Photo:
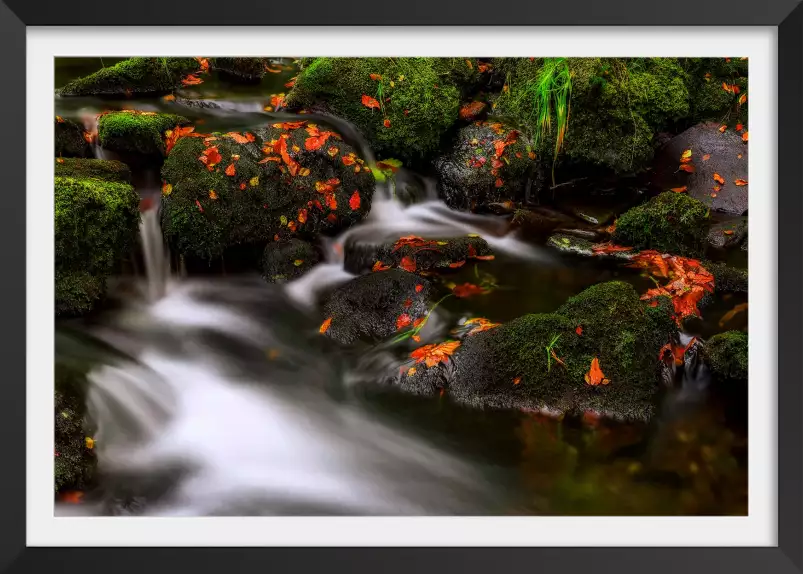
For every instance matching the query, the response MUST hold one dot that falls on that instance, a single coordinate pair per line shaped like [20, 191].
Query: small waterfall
[155, 253]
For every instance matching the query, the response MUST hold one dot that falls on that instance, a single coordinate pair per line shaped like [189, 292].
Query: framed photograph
[397, 290]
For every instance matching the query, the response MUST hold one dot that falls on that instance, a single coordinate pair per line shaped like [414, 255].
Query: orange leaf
[169, 98]
[332, 151]
[579, 330]
[719, 179]
[471, 110]
[192, 80]
[369, 102]
[457, 264]
[745, 137]
[742, 99]
[277, 101]
[289, 125]
[685, 155]
[739, 127]
[379, 266]
[609, 248]
[325, 325]
[470, 66]
[402, 321]
[212, 194]
[210, 157]
[740, 182]
[347, 160]
[468, 290]
[204, 64]
[728, 232]
[408, 303]
[687, 167]
[354, 201]
[679, 189]
[292, 165]
[419, 288]
[315, 142]
[291, 83]
[71, 497]
[272, 70]
[517, 380]
[499, 182]
[722, 128]
[716, 188]
[230, 170]
[277, 159]
[386, 123]
[376, 78]
[302, 215]
[433, 354]
[706, 157]
[408, 264]
[594, 376]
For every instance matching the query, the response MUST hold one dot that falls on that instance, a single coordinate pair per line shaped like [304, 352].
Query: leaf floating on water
[468, 290]
[594, 376]
[369, 102]
[433, 354]
[325, 326]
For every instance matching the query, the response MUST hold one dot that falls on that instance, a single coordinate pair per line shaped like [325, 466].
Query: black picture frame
[787, 15]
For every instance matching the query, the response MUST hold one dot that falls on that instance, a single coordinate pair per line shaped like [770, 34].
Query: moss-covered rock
[708, 100]
[73, 463]
[511, 366]
[617, 105]
[95, 224]
[288, 259]
[670, 222]
[727, 278]
[134, 76]
[571, 244]
[370, 306]
[71, 139]
[487, 163]
[241, 69]
[726, 355]
[426, 253]
[727, 234]
[107, 170]
[419, 98]
[205, 210]
[137, 132]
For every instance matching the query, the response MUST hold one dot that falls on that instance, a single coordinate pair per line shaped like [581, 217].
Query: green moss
[69, 139]
[617, 104]
[726, 355]
[133, 76]
[95, 225]
[107, 170]
[137, 132]
[440, 255]
[249, 69]
[262, 200]
[670, 222]
[727, 278]
[708, 100]
[423, 104]
[73, 463]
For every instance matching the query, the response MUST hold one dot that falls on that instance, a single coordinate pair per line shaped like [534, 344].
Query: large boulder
[107, 170]
[131, 131]
[72, 140]
[376, 305]
[415, 254]
[223, 190]
[726, 355]
[511, 366]
[288, 259]
[134, 76]
[713, 152]
[487, 163]
[96, 223]
[402, 105]
[669, 222]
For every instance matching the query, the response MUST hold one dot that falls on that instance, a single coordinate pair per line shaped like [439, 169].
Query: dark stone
[287, 260]
[240, 69]
[138, 76]
[727, 233]
[107, 170]
[724, 149]
[70, 141]
[370, 305]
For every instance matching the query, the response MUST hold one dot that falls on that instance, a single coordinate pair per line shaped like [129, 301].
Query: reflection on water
[230, 402]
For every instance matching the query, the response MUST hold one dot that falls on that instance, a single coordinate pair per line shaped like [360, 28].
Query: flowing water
[221, 398]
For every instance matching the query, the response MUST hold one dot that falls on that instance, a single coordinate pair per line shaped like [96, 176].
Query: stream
[213, 392]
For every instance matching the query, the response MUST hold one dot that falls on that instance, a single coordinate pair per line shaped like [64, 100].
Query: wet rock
[726, 356]
[271, 194]
[287, 260]
[727, 278]
[510, 367]
[198, 104]
[73, 463]
[570, 243]
[488, 163]
[670, 222]
[416, 254]
[728, 158]
[134, 76]
[107, 170]
[420, 98]
[375, 305]
[539, 222]
[727, 233]
[590, 213]
[96, 223]
[240, 69]
[137, 132]
[71, 139]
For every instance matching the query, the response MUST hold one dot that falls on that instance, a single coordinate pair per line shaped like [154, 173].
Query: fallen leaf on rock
[609, 248]
[408, 264]
[457, 264]
[579, 330]
[332, 151]
[375, 77]
[517, 381]
[379, 266]
[289, 126]
[728, 232]
[687, 167]
[419, 288]
[402, 321]
[719, 179]
[706, 157]
[679, 189]
[212, 194]
[411, 371]
[325, 325]
[386, 123]
[354, 201]
[471, 110]
[594, 376]
[685, 155]
[745, 137]
[739, 127]
[298, 262]
[482, 324]
[740, 182]
[347, 160]
[230, 170]
[198, 205]
[742, 99]
[89, 442]
[433, 354]
[716, 188]
[722, 128]
[210, 157]
[59, 160]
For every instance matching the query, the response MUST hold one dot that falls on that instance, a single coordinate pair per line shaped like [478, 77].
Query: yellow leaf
[212, 194]
[90, 442]
[283, 220]
[298, 262]
[686, 153]
[254, 181]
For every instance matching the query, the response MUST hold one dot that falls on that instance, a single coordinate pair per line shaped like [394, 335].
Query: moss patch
[420, 97]
[95, 225]
[726, 355]
[207, 210]
[73, 464]
[287, 260]
[138, 132]
[708, 100]
[246, 69]
[70, 139]
[670, 222]
[133, 76]
[107, 170]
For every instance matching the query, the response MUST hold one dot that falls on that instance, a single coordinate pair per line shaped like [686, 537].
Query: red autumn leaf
[408, 264]
[242, 186]
[408, 303]
[481, 323]
[472, 252]
[468, 290]
[739, 127]
[347, 160]
[471, 110]
[740, 182]
[386, 123]
[517, 381]
[433, 354]
[354, 201]
[275, 158]
[403, 321]
[412, 241]
[499, 182]
[594, 376]
[728, 232]
[374, 77]
[369, 102]
[679, 189]
[609, 248]
[499, 147]
[419, 288]
[230, 170]
[291, 83]
[719, 179]
[476, 161]
[302, 215]
[379, 266]
[687, 167]
[210, 157]
[745, 137]
[457, 264]
[277, 101]
[325, 325]
[192, 80]
[385, 166]
[316, 139]
[289, 125]
[272, 70]
[239, 138]
[198, 204]
[292, 165]
[579, 330]
[722, 128]
[172, 136]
